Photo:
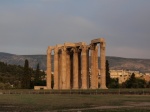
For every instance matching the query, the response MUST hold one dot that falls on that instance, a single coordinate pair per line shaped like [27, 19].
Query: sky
[30, 26]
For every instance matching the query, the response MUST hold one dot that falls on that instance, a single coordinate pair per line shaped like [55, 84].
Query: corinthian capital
[56, 50]
[49, 49]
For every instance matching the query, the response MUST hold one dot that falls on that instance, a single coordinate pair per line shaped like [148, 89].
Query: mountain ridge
[135, 64]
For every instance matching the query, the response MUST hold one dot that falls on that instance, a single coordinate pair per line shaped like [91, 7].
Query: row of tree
[18, 77]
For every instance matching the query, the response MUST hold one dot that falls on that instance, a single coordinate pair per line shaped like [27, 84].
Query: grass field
[74, 103]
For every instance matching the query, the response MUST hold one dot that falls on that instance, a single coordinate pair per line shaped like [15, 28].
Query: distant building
[123, 75]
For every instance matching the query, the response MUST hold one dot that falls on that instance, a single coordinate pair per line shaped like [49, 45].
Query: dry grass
[59, 102]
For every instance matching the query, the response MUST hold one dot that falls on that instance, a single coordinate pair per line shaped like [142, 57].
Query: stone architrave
[64, 67]
[75, 69]
[103, 65]
[84, 67]
[56, 68]
[48, 80]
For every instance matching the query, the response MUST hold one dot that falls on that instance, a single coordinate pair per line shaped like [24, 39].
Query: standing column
[93, 77]
[59, 70]
[88, 74]
[75, 69]
[84, 67]
[64, 67]
[56, 68]
[48, 80]
[68, 71]
[103, 65]
[79, 70]
[96, 67]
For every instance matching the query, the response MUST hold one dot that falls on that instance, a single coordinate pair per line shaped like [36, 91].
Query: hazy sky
[29, 26]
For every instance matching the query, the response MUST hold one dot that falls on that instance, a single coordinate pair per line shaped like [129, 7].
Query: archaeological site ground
[74, 103]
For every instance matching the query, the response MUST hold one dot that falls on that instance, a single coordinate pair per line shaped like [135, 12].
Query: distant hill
[142, 65]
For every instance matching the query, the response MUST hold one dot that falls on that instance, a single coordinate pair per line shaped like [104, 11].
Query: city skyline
[30, 26]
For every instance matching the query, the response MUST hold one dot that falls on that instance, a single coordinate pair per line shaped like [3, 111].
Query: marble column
[64, 67]
[103, 65]
[96, 67]
[59, 70]
[48, 80]
[92, 68]
[68, 70]
[84, 67]
[93, 77]
[56, 68]
[79, 70]
[75, 69]
[88, 74]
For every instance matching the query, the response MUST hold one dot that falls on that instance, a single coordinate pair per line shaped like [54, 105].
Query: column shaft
[88, 74]
[48, 80]
[68, 71]
[75, 69]
[56, 68]
[96, 67]
[84, 67]
[92, 70]
[79, 70]
[93, 67]
[103, 66]
[64, 68]
[60, 71]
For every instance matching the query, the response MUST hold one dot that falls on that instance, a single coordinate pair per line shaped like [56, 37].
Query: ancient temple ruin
[76, 65]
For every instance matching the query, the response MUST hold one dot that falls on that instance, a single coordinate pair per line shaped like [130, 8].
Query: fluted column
[56, 68]
[64, 68]
[79, 69]
[103, 65]
[93, 77]
[75, 69]
[48, 80]
[59, 70]
[84, 67]
[96, 67]
[88, 74]
[68, 71]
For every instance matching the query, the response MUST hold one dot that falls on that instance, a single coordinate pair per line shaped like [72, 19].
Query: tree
[37, 75]
[26, 79]
[134, 82]
[108, 79]
[38, 78]
[110, 82]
